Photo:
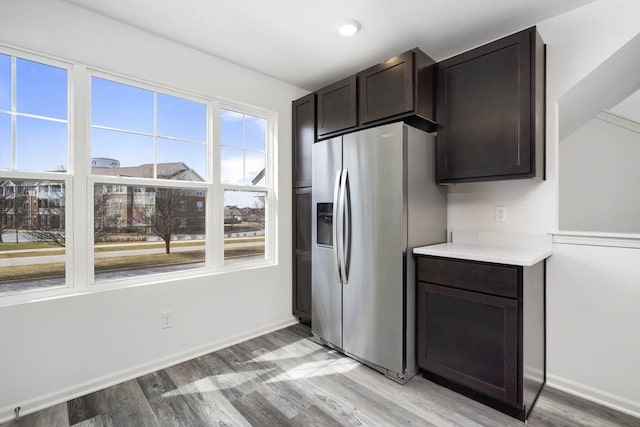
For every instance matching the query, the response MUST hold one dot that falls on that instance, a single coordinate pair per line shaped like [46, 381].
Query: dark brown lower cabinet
[481, 330]
[302, 254]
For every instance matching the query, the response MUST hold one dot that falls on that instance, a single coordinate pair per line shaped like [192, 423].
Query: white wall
[600, 178]
[56, 348]
[577, 42]
[593, 313]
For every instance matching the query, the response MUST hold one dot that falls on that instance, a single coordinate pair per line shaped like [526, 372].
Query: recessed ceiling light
[348, 27]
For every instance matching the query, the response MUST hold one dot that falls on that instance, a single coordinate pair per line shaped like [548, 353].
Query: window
[149, 235]
[33, 107]
[163, 139]
[243, 152]
[148, 134]
[34, 129]
[177, 183]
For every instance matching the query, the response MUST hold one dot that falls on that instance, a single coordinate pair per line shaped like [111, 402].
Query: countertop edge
[528, 262]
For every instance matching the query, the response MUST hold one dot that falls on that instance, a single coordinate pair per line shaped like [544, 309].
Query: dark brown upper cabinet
[337, 109]
[304, 134]
[490, 111]
[402, 86]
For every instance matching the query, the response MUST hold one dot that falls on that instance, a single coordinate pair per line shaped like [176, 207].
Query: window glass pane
[41, 145]
[140, 231]
[121, 106]
[120, 153]
[231, 128]
[191, 154]
[32, 222]
[5, 141]
[244, 226]
[232, 166]
[255, 164]
[255, 130]
[41, 89]
[5, 82]
[181, 118]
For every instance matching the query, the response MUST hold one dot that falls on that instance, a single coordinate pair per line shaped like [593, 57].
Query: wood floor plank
[196, 383]
[247, 375]
[55, 416]
[98, 421]
[126, 405]
[225, 378]
[314, 417]
[169, 405]
[82, 408]
[258, 411]
[599, 414]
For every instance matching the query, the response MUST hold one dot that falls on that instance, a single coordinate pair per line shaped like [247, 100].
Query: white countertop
[501, 248]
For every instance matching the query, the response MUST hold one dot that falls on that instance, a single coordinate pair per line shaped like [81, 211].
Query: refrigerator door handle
[344, 226]
[337, 255]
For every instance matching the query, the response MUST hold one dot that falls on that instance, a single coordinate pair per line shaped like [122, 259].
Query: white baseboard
[47, 400]
[595, 395]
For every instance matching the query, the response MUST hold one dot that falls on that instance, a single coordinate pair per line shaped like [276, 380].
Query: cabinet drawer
[481, 277]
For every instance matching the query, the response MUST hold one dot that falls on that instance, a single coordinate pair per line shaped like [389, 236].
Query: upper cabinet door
[337, 106]
[304, 135]
[387, 89]
[490, 111]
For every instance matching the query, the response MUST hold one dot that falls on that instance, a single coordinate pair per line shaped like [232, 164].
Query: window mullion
[155, 134]
[81, 222]
[14, 103]
[215, 205]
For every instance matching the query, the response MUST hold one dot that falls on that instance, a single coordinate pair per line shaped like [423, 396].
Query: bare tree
[100, 203]
[258, 207]
[166, 217]
[47, 234]
[7, 194]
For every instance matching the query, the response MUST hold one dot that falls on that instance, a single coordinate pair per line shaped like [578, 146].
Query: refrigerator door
[326, 285]
[374, 294]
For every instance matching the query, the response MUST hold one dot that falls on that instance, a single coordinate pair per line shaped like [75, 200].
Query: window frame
[268, 188]
[67, 177]
[79, 183]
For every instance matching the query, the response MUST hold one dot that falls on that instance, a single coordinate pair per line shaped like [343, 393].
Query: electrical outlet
[501, 213]
[166, 320]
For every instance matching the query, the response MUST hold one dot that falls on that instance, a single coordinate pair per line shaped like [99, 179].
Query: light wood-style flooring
[286, 379]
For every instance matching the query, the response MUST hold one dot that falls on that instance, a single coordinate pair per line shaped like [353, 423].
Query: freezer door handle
[337, 255]
[344, 225]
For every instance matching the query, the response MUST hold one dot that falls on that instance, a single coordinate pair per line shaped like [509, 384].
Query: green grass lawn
[35, 271]
[106, 247]
[12, 246]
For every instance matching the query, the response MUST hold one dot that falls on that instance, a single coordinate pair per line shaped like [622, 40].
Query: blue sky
[181, 126]
[40, 90]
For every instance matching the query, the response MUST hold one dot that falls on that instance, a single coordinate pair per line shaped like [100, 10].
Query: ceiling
[295, 40]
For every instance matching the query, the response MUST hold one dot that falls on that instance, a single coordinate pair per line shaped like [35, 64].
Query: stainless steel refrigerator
[374, 200]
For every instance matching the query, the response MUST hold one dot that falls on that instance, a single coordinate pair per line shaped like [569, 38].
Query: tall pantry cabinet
[304, 131]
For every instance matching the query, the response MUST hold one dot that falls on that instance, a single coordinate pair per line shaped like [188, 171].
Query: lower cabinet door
[469, 338]
[303, 285]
